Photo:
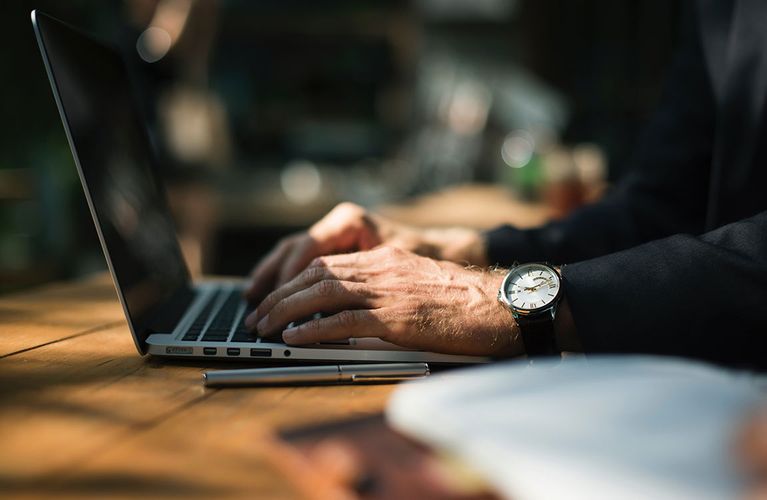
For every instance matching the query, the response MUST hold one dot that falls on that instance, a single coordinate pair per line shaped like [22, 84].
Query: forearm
[684, 295]
[628, 217]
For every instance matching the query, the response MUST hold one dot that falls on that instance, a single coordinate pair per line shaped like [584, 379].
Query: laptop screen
[126, 198]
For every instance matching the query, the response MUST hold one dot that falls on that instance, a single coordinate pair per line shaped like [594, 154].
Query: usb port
[261, 353]
[209, 351]
[232, 351]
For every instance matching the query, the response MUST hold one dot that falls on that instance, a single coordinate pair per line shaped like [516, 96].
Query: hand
[395, 295]
[351, 228]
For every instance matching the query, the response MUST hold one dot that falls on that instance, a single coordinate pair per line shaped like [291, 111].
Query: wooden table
[82, 415]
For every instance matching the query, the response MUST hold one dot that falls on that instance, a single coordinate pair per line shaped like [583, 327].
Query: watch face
[531, 287]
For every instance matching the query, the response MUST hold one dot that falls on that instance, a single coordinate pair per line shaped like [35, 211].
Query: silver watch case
[518, 312]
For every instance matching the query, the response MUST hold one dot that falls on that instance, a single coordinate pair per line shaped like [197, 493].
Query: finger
[346, 228]
[341, 229]
[311, 275]
[309, 248]
[358, 259]
[296, 261]
[325, 296]
[343, 325]
[264, 275]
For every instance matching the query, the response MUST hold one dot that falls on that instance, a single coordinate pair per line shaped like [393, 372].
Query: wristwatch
[532, 292]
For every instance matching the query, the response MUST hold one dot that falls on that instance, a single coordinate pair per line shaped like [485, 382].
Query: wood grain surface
[82, 415]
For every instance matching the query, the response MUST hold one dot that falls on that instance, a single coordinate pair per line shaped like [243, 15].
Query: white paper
[610, 427]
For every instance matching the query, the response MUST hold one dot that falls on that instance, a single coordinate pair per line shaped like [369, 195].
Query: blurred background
[264, 114]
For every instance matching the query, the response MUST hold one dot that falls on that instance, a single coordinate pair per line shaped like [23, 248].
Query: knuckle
[311, 330]
[346, 319]
[325, 288]
[268, 302]
[314, 274]
[317, 262]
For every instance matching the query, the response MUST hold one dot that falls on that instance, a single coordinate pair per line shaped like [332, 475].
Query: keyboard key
[219, 328]
[199, 322]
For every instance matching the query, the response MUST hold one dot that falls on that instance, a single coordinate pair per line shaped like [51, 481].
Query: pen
[389, 372]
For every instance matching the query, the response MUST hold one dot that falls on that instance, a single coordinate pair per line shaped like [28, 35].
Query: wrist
[506, 327]
[534, 295]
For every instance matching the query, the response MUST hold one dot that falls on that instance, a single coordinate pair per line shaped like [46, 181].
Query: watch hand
[536, 287]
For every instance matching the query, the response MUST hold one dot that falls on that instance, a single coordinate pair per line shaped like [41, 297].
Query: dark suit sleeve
[636, 288]
[703, 297]
[664, 194]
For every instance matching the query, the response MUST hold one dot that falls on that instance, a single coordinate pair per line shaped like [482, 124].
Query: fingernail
[261, 327]
[289, 334]
[250, 320]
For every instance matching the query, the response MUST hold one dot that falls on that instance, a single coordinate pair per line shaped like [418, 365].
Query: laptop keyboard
[218, 328]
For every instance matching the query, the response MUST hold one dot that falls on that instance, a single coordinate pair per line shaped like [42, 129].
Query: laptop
[168, 314]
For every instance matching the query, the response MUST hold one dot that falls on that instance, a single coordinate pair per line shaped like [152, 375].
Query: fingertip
[262, 324]
[250, 321]
[290, 336]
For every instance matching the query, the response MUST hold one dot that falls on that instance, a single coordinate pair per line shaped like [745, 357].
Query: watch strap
[538, 335]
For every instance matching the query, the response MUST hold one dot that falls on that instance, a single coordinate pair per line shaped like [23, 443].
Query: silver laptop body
[168, 314]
